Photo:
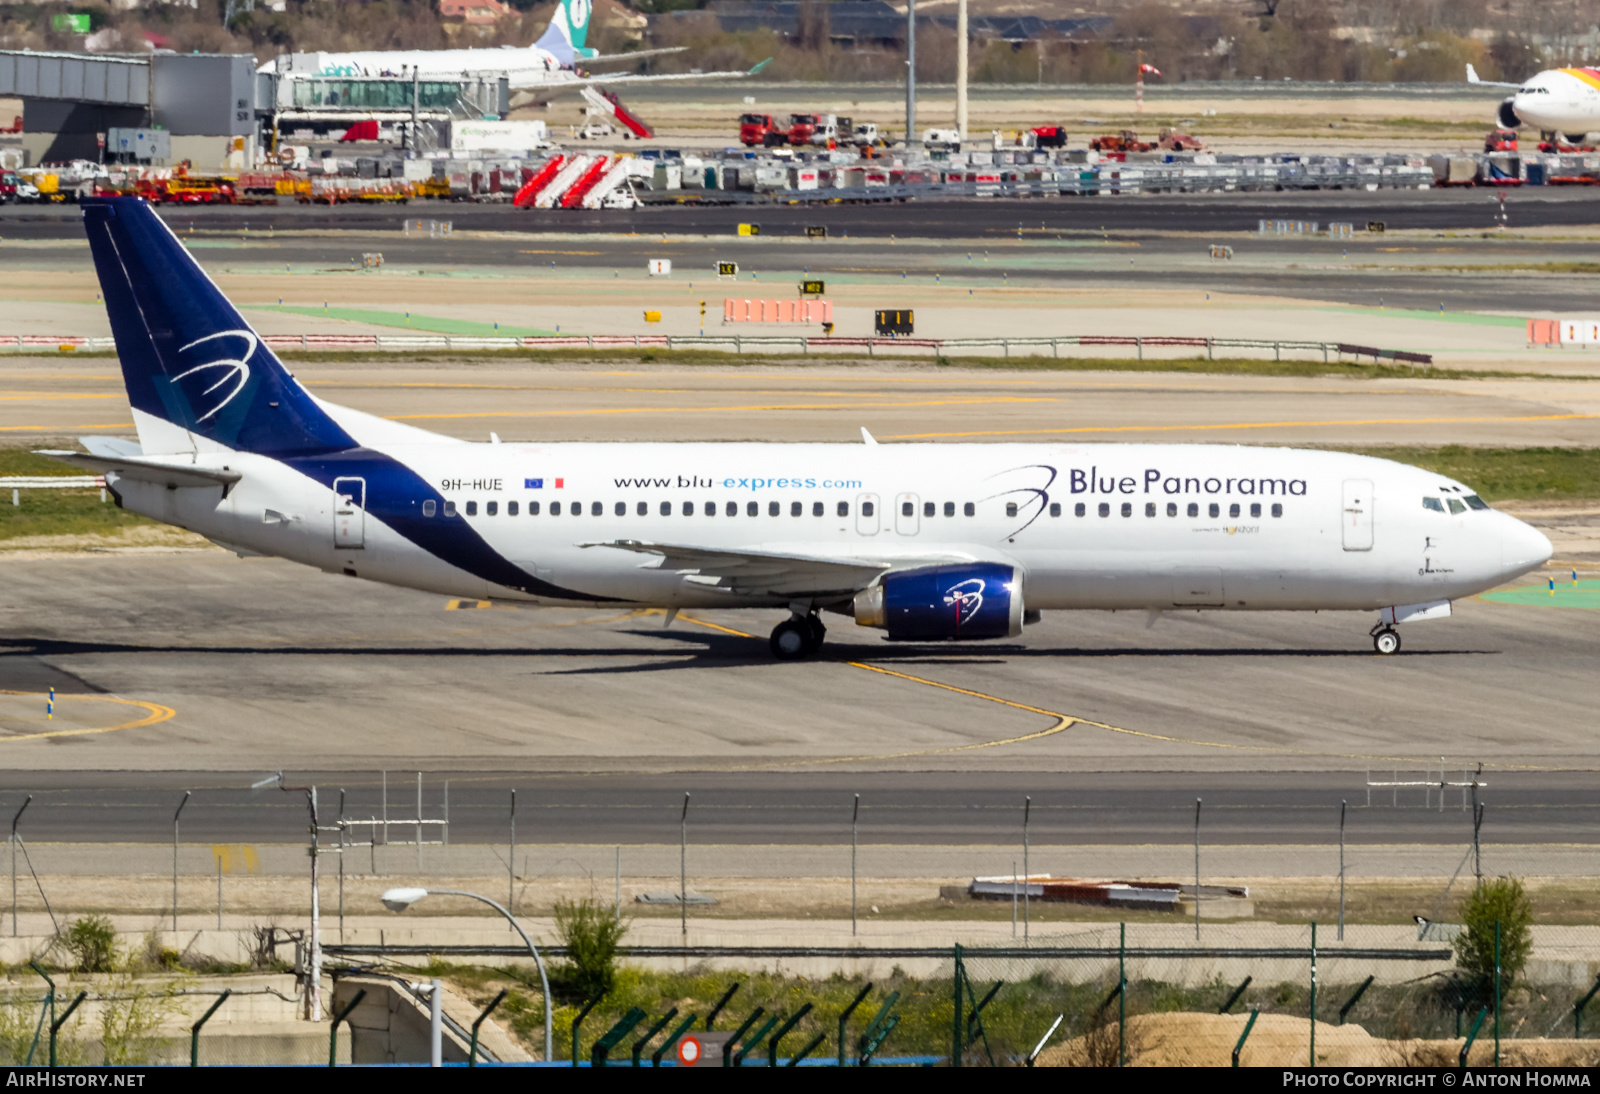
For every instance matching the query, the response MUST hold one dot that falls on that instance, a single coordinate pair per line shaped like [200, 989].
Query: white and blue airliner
[925, 542]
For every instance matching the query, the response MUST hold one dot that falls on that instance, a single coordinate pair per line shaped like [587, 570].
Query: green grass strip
[1499, 474]
[407, 321]
[1469, 318]
[1566, 594]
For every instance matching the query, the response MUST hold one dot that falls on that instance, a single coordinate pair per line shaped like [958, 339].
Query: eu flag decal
[533, 484]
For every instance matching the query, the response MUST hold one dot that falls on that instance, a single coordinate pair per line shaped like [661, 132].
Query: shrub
[591, 934]
[1502, 900]
[92, 942]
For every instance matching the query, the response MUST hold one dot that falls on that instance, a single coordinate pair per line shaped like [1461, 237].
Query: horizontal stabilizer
[145, 469]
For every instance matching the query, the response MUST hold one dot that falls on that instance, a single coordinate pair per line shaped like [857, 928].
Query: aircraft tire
[815, 633]
[791, 640]
[1386, 641]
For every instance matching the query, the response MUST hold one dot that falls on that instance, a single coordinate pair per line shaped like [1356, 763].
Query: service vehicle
[15, 188]
[759, 131]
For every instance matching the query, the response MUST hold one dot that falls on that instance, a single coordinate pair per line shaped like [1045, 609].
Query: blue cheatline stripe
[395, 494]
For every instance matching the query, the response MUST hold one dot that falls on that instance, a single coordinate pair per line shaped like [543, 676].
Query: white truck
[941, 140]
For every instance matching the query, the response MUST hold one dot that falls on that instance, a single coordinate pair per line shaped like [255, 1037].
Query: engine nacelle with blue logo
[963, 601]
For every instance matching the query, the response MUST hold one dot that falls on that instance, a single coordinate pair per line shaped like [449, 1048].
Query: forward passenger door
[1357, 516]
[867, 514]
[907, 520]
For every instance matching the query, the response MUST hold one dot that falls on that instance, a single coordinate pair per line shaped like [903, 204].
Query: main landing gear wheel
[791, 639]
[1386, 641]
[816, 632]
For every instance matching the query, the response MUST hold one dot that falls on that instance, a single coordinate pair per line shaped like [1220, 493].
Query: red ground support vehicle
[1126, 141]
[802, 127]
[1563, 146]
[1049, 136]
[1171, 140]
[187, 190]
[1501, 140]
[757, 130]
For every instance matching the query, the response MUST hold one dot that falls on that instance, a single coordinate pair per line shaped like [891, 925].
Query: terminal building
[84, 106]
[214, 110]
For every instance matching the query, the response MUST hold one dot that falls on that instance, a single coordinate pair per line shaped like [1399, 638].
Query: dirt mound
[1207, 1040]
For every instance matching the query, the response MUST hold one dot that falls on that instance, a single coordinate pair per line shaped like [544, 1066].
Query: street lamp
[398, 900]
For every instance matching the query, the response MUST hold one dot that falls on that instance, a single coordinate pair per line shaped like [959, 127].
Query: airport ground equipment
[893, 322]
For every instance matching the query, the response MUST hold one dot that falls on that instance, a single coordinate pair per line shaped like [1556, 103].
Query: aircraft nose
[1523, 547]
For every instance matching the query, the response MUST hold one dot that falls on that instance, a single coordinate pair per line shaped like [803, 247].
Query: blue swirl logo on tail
[234, 370]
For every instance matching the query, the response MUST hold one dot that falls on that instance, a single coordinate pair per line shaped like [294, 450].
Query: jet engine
[961, 601]
[1507, 115]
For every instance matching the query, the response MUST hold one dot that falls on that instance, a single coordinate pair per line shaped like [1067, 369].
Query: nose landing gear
[797, 637]
[1385, 639]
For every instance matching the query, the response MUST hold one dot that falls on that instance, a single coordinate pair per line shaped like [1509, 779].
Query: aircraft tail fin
[568, 31]
[198, 376]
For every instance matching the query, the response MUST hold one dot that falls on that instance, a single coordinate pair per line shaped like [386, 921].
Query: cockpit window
[1433, 503]
[1455, 505]
[1475, 502]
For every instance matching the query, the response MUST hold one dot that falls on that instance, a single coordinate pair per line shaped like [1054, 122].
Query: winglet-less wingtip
[866, 437]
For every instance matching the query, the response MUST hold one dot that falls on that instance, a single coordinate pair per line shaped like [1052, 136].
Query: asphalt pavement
[922, 808]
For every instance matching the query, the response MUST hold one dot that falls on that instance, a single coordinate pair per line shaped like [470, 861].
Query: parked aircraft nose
[1522, 548]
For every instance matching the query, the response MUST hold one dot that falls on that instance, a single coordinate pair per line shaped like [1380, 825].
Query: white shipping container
[803, 178]
[498, 136]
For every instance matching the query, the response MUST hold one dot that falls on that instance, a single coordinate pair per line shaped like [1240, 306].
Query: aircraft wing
[759, 572]
[1472, 78]
[146, 469]
[635, 54]
[538, 80]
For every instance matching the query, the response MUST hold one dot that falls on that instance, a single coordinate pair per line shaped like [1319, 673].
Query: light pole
[398, 900]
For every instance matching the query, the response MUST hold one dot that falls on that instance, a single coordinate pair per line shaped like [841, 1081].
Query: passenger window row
[688, 508]
[1213, 509]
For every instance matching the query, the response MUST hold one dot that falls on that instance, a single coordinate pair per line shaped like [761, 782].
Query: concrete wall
[192, 95]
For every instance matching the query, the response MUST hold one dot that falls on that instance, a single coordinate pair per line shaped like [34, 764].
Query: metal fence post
[55, 1026]
[1027, 886]
[955, 1021]
[1197, 869]
[1342, 805]
[855, 814]
[683, 871]
[851, 1009]
[472, 1054]
[1248, 1026]
[14, 821]
[175, 817]
[511, 860]
[1122, 995]
[194, 1030]
[333, 1031]
[1313, 1062]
